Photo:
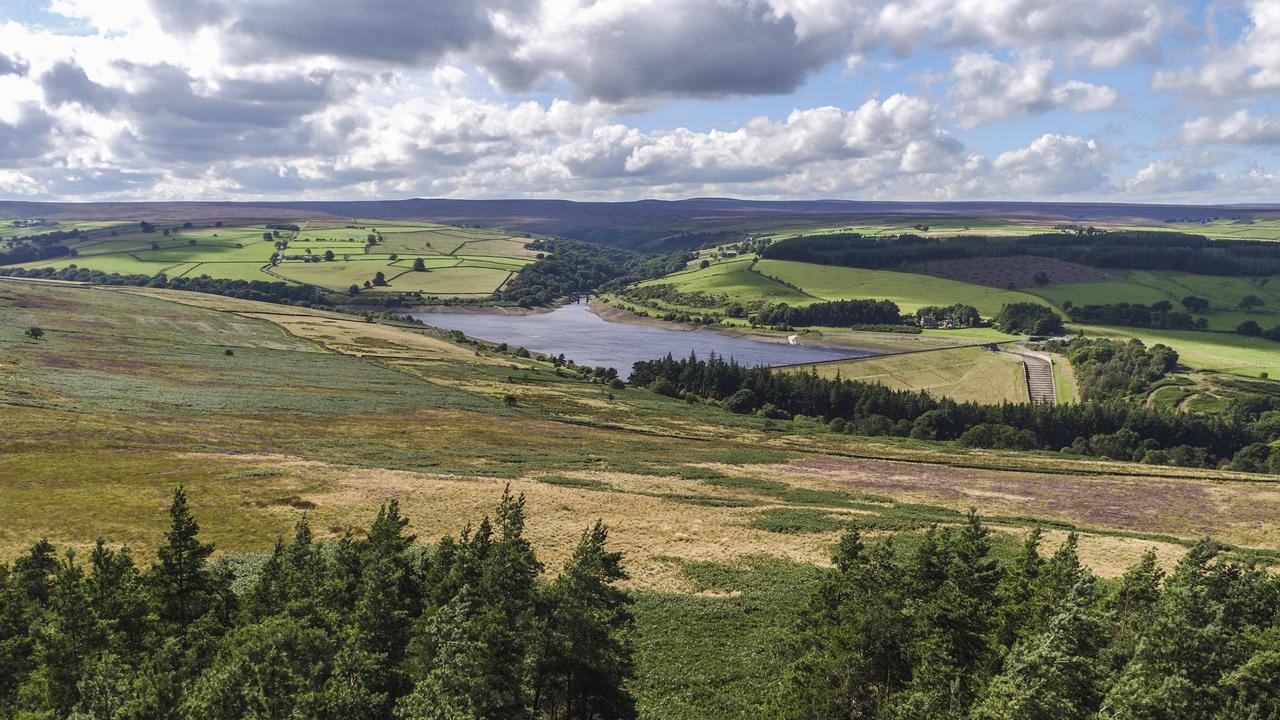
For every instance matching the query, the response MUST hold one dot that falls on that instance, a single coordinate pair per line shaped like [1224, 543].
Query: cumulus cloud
[1103, 33]
[617, 49]
[986, 89]
[1248, 67]
[1053, 165]
[1188, 177]
[393, 98]
[1238, 128]
[397, 31]
[28, 136]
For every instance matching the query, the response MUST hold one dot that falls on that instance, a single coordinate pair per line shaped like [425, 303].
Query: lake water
[588, 339]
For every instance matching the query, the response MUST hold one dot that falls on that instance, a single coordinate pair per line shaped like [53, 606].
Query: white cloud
[1189, 177]
[1053, 165]
[1248, 67]
[1238, 128]
[254, 98]
[986, 89]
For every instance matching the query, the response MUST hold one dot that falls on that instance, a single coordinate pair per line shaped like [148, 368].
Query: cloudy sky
[1134, 100]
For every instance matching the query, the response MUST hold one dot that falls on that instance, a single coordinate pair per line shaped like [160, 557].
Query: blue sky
[1144, 101]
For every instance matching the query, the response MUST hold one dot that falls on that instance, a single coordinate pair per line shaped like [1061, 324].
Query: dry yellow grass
[359, 338]
[964, 374]
[1107, 556]
[654, 533]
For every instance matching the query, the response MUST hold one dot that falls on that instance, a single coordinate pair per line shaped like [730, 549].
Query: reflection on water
[588, 339]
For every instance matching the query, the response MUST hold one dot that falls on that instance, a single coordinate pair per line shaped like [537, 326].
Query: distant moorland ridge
[629, 222]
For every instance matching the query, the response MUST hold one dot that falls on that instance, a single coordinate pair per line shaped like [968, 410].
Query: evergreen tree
[852, 645]
[182, 584]
[1054, 674]
[1017, 589]
[1193, 639]
[584, 659]
[1130, 608]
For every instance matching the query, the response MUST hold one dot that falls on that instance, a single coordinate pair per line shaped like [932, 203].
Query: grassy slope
[736, 280]
[132, 393]
[742, 281]
[909, 291]
[1208, 351]
[1224, 293]
[971, 373]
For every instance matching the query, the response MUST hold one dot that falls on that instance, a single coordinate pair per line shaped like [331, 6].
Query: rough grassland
[964, 374]
[132, 392]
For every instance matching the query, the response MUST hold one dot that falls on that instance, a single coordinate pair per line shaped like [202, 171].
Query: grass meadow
[964, 374]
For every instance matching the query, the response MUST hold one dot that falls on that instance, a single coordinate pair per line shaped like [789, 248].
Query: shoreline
[854, 340]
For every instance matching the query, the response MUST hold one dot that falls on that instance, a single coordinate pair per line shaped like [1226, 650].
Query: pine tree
[183, 587]
[67, 634]
[584, 660]
[1185, 650]
[1054, 674]
[953, 651]
[851, 648]
[1130, 608]
[1016, 590]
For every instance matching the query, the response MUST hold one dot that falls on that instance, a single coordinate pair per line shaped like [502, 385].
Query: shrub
[741, 402]
[663, 386]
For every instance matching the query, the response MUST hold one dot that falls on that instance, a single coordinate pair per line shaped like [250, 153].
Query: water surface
[588, 339]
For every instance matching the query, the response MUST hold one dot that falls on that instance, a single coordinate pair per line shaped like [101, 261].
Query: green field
[1226, 352]
[1148, 287]
[963, 374]
[1230, 229]
[734, 279]
[463, 262]
[909, 291]
[458, 281]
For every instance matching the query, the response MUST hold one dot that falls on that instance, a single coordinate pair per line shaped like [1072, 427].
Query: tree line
[835, 313]
[1128, 249]
[1105, 427]
[944, 631]
[38, 247]
[1157, 315]
[261, 290]
[569, 268]
[364, 628]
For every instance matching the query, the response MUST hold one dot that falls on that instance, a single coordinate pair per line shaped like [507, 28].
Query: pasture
[1147, 287]
[461, 262]
[964, 374]
[909, 291]
[1226, 352]
[736, 280]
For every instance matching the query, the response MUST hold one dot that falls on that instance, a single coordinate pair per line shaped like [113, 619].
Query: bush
[1004, 437]
[662, 386]
[742, 402]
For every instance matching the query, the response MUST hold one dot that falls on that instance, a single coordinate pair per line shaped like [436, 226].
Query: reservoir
[588, 339]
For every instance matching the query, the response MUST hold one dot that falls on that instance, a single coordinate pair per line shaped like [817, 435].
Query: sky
[1084, 100]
